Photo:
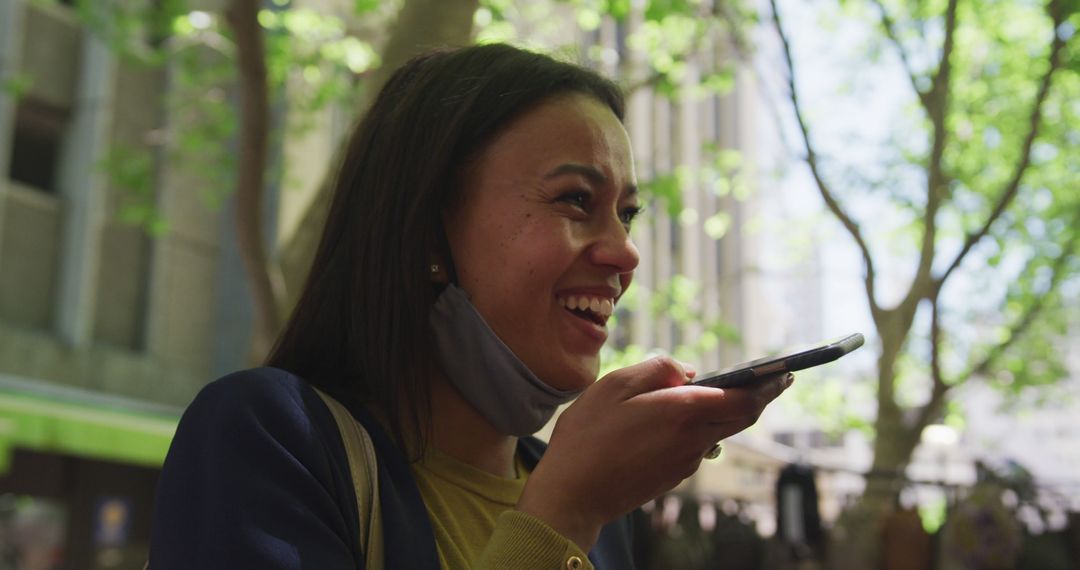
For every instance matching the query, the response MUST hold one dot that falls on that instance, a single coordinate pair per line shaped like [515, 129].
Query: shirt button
[574, 563]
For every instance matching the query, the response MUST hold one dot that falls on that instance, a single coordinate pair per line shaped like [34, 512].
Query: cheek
[514, 266]
[537, 251]
[480, 254]
[542, 266]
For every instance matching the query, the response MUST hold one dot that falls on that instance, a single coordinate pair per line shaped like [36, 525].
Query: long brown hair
[360, 329]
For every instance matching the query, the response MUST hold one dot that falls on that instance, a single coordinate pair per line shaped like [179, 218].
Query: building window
[784, 438]
[35, 151]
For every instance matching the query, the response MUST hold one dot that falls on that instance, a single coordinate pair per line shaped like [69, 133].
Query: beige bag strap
[365, 476]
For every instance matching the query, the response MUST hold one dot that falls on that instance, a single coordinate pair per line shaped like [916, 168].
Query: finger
[652, 374]
[739, 407]
[773, 386]
[718, 432]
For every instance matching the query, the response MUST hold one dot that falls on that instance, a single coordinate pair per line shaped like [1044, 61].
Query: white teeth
[603, 307]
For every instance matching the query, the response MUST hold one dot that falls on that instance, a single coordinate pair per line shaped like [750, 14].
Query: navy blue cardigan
[257, 477]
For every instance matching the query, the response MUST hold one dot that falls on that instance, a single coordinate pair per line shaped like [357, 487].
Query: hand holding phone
[755, 370]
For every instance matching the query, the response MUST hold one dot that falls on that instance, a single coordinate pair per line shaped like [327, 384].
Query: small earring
[434, 267]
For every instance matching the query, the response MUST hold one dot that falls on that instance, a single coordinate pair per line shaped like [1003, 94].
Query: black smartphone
[800, 359]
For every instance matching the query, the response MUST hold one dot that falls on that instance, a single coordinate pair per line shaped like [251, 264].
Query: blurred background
[907, 169]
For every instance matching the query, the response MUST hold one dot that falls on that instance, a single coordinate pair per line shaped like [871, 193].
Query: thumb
[652, 374]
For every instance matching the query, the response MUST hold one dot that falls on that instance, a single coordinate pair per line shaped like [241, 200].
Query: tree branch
[890, 31]
[253, 141]
[421, 24]
[811, 159]
[937, 108]
[1011, 188]
[736, 25]
[937, 393]
[1032, 311]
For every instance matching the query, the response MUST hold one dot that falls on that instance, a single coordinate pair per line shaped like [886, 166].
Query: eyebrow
[593, 174]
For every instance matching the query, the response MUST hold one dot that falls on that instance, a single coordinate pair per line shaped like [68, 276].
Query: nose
[615, 248]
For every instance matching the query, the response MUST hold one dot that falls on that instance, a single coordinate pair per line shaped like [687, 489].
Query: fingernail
[789, 380]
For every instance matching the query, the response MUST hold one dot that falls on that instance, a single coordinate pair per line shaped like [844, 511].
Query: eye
[629, 213]
[577, 198]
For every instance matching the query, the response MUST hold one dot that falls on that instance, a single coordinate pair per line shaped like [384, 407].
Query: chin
[574, 377]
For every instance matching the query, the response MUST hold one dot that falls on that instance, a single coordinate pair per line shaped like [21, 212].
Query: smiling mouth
[596, 310]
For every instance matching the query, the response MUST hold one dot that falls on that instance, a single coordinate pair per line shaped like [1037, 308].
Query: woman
[477, 244]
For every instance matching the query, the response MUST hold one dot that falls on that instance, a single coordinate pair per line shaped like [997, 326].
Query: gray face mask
[490, 376]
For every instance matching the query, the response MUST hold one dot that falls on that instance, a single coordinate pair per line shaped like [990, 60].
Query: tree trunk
[252, 144]
[421, 25]
[855, 541]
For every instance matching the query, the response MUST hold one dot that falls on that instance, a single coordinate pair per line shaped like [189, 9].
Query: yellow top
[475, 524]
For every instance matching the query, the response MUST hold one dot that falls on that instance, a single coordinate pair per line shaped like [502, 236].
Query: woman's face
[540, 237]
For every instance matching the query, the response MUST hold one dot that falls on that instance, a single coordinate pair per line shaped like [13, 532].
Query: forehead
[571, 128]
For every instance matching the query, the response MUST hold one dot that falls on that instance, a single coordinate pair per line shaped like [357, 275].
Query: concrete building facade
[106, 329]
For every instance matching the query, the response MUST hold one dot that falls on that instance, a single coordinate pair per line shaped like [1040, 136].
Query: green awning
[82, 429]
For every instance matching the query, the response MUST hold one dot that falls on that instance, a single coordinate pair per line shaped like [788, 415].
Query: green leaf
[660, 9]
[720, 82]
[588, 19]
[362, 7]
[717, 225]
[666, 188]
[18, 84]
[1068, 8]
[618, 9]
